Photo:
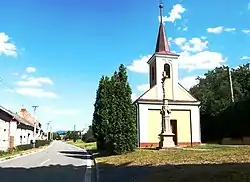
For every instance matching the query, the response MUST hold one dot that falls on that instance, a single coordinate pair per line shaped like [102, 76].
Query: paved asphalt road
[60, 162]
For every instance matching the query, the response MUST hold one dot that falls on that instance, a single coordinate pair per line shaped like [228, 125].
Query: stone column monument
[166, 133]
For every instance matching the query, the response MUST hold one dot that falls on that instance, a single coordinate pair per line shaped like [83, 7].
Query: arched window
[153, 73]
[167, 69]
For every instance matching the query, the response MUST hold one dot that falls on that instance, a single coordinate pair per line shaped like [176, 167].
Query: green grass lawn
[81, 144]
[206, 163]
[209, 164]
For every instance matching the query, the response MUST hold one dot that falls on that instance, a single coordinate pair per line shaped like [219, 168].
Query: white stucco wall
[4, 135]
[22, 136]
[143, 120]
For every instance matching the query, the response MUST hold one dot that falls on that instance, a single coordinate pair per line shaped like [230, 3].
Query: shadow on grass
[43, 174]
[175, 173]
[99, 153]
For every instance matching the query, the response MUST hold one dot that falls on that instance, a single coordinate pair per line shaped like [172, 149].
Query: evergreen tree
[101, 115]
[122, 123]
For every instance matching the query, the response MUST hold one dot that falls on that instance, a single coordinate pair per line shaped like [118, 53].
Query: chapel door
[174, 130]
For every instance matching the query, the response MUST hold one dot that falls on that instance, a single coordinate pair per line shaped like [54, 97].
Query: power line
[6, 84]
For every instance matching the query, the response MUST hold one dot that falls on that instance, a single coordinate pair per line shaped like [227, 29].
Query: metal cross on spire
[161, 9]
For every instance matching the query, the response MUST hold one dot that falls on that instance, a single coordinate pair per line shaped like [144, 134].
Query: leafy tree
[219, 116]
[56, 136]
[72, 135]
[88, 136]
[213, 90]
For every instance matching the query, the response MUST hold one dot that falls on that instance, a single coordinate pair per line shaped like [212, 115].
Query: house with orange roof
[17, 128]
[23, 113]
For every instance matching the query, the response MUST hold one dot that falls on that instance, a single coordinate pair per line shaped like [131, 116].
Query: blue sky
[52, 53]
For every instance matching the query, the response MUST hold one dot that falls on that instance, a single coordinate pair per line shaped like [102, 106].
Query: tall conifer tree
[101, 115]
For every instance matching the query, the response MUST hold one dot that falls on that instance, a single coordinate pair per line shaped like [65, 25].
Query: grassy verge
[218, 163]
[212, 163]
[88, 146]
[11, 153]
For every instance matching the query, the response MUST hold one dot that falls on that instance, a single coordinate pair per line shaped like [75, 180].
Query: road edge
[17, 156]
[88, 173]
[96, 169]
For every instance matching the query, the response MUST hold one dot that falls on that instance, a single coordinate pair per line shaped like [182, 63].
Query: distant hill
[61, 131]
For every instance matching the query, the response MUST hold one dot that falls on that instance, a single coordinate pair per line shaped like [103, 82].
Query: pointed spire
[162, 45]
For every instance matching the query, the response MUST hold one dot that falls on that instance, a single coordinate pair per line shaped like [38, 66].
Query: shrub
[24, 147]
[40, 143]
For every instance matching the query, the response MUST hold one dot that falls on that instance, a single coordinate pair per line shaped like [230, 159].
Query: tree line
[114, 118]
[220, 117]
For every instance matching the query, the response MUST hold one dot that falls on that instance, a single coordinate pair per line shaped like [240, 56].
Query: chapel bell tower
[163, 60]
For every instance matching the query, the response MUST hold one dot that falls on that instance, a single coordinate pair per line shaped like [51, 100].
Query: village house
[185, 111]
[17, 129]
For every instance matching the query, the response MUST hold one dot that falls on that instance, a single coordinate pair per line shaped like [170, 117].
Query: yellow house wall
[154, 126]
[183, 125]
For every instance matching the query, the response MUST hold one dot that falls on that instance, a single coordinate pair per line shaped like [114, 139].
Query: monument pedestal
[167, 140]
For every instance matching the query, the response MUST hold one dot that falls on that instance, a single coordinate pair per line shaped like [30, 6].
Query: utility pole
[74, 134]
[48, 129]
[231, 84]
[34, 133]
[51, 134]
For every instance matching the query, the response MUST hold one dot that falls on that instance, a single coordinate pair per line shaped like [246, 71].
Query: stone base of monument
[166, 140]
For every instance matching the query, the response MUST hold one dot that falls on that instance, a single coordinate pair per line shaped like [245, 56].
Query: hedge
[38, 144]
[24, 147]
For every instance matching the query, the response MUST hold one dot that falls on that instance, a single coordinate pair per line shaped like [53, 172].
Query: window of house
[167, 69]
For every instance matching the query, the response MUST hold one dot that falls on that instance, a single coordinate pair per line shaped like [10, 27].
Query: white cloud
[140, 65]
[143, 87]
[30, 69]
[35, 82]
[200, 60]
[185, 29]
[246, 31]
[175, 13]
[6, 47]
[24, 76]
[230, 29]
[193, 45]
[66, 111]
[220, 29]
[216, 30]
[195, 55]
[35, 92]
[180, 41]
[245, 58]
[188, 81]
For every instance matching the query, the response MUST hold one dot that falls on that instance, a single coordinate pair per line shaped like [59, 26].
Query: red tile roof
[162, 46]
[27, 116]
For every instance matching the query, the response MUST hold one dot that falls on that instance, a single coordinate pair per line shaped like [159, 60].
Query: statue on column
[166, 133]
